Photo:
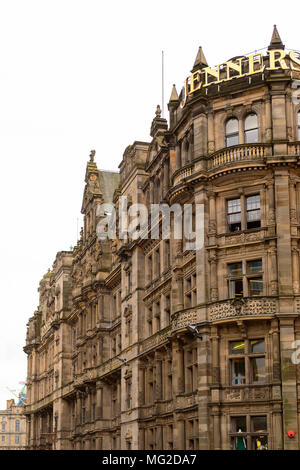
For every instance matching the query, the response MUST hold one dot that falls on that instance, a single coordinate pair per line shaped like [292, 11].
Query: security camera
[194, 330]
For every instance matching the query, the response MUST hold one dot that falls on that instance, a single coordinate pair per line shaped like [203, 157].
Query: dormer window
[251, 129]
[232, 132]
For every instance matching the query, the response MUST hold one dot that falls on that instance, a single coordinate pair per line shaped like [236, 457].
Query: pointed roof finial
[174, 94]
[200, 61]
[92, 155]
[276, 42]
[158, 111]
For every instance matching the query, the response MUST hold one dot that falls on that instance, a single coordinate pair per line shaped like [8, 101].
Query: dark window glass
[235, 269]
[259, 424]
[236, 288]
[258, 346]
[254, 266]
[258, 369]
[238, 423]
[237, 347]
[255, 287]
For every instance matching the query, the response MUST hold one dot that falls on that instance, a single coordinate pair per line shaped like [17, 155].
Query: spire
[200, 61]
[174, 95]
[276, 42]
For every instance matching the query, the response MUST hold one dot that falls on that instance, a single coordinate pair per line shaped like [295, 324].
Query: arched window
[232, 132]
[299, 125]
[251, 129]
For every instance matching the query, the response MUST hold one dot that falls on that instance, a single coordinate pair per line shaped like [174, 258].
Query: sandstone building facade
[13, 427]
[143, 344]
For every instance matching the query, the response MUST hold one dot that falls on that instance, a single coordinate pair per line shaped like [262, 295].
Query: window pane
[238, 443]
[232, 126]
[260, 443]
[255, 287]
[259, 424]
[232, 140]
[251, 137]
[233, 206]
[237, 347]
[238, 423]
[251, 122]
[254, 266]
[235, 269]
[258, 346]
[258, 369]
[299, 118]
[238, 371]
[253, 202]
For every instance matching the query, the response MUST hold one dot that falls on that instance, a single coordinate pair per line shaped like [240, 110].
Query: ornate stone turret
[276, 42]
[159, 124]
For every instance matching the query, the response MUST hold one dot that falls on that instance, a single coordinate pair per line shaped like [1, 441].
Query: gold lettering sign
[240, 67]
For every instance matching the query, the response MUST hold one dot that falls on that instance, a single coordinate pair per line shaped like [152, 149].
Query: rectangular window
[249, 433]
[17, 439]
[253, 211]
[247, 362]
[234, 215]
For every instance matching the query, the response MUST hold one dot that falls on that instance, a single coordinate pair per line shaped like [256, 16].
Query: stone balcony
[231, 156]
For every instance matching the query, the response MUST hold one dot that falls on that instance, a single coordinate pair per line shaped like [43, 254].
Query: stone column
[211, 136]
[151, 190]
[268, 135]
[178, 156]
[179, 433]
[158, 377]
[271, 209]
[178, 361]
[289, 381]
[166, 177]
[212, 219]
[215, 356]
[159, 438]
[216, 427]
[295, 266]
[272, 251]
[241, 132]
[99, 402]
[141, 388]
[184, 152]
[213, 276]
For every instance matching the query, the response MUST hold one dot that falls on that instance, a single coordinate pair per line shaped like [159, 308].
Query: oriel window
[232, 132]
[251, 129]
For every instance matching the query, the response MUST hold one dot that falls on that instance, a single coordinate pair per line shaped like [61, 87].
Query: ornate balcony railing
[226, 156]
[237, 153]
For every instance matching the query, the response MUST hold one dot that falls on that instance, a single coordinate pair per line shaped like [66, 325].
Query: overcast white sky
[77, 75]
